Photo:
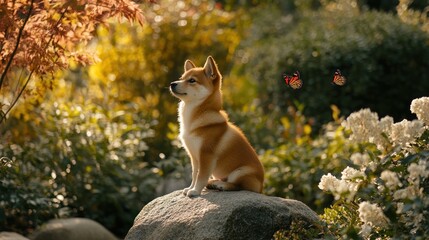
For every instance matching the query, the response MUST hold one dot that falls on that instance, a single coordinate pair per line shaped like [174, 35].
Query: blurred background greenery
[103, 142]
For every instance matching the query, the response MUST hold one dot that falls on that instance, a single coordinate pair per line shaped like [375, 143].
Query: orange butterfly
[294, 81]
[339, 79]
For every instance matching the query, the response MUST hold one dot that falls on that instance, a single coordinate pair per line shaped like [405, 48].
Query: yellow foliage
[335, 112]
[406, 14]
[307, 129]
[285, 122]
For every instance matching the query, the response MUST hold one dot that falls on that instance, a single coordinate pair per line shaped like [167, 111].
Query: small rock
[11, 236]
[72, 229]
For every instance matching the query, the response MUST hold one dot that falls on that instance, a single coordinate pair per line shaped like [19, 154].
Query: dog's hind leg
[217, 184]
[240, 179]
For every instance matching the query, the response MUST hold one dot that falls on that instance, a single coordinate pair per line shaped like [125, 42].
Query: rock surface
[72, 229]
[218, 215]
[11, 236]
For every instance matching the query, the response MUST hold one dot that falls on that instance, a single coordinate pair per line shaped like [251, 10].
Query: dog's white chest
[191, 142]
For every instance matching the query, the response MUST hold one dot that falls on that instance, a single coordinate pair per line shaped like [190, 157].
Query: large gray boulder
[219, 215]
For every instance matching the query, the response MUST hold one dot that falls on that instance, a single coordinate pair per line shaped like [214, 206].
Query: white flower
[410, 192]
[406, 131]
[329, 183]
[367, 128]
[391, 179]
[365, 230]
[385, 124]
[401, 194]
[351, 190]
[418, 170]
[338, 187]
[420, 107]
[350, 174]
[363, 125]
[418, 219]
[360, 159]
[399, 207]
[372, 214]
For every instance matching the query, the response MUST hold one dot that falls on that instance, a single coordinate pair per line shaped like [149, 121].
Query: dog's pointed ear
[189, 65]
[210, 68]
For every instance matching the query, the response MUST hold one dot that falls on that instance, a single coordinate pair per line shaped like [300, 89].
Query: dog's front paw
[186, 190]
[193, 193]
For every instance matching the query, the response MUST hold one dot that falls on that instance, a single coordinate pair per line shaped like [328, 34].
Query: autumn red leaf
[38, 37]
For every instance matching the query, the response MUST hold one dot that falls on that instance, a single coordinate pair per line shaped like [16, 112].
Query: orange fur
[217, 148]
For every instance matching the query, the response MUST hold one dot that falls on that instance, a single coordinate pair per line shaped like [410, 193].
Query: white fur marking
[239, 172]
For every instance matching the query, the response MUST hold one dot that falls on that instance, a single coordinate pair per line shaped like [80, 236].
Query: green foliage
[299, 229]
[82, 161]
[24, 202]
[293, 169]
[294, 161]
[383, 59]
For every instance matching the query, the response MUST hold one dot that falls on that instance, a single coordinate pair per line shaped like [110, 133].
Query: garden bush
[383, 59]
[293, 158]
[80, 160]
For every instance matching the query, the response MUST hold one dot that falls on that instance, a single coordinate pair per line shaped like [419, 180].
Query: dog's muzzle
[173, 86]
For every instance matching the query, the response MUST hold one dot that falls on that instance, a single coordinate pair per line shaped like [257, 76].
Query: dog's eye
[192, 80]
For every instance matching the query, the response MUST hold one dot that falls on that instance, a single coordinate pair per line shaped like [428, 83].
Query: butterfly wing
[295, 81]
[339, 79]
[286, 78]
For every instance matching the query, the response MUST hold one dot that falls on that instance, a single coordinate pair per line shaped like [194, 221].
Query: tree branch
[3, 116]
[21, 30]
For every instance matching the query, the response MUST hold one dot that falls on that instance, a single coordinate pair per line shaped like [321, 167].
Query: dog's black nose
[173, 85]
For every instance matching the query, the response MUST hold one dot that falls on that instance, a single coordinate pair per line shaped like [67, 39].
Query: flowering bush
[385, 191]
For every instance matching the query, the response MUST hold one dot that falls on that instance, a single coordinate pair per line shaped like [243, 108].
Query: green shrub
[81, 161]
[293, 169]
[384, 60]
[294, 160]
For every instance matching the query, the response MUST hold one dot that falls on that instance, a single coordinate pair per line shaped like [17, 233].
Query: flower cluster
[420, 107]
[372, 216]
[366, 127]
[392, 179]
[347, 186]
[406, 132]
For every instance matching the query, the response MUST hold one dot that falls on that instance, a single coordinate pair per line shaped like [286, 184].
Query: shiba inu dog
[217, 148]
